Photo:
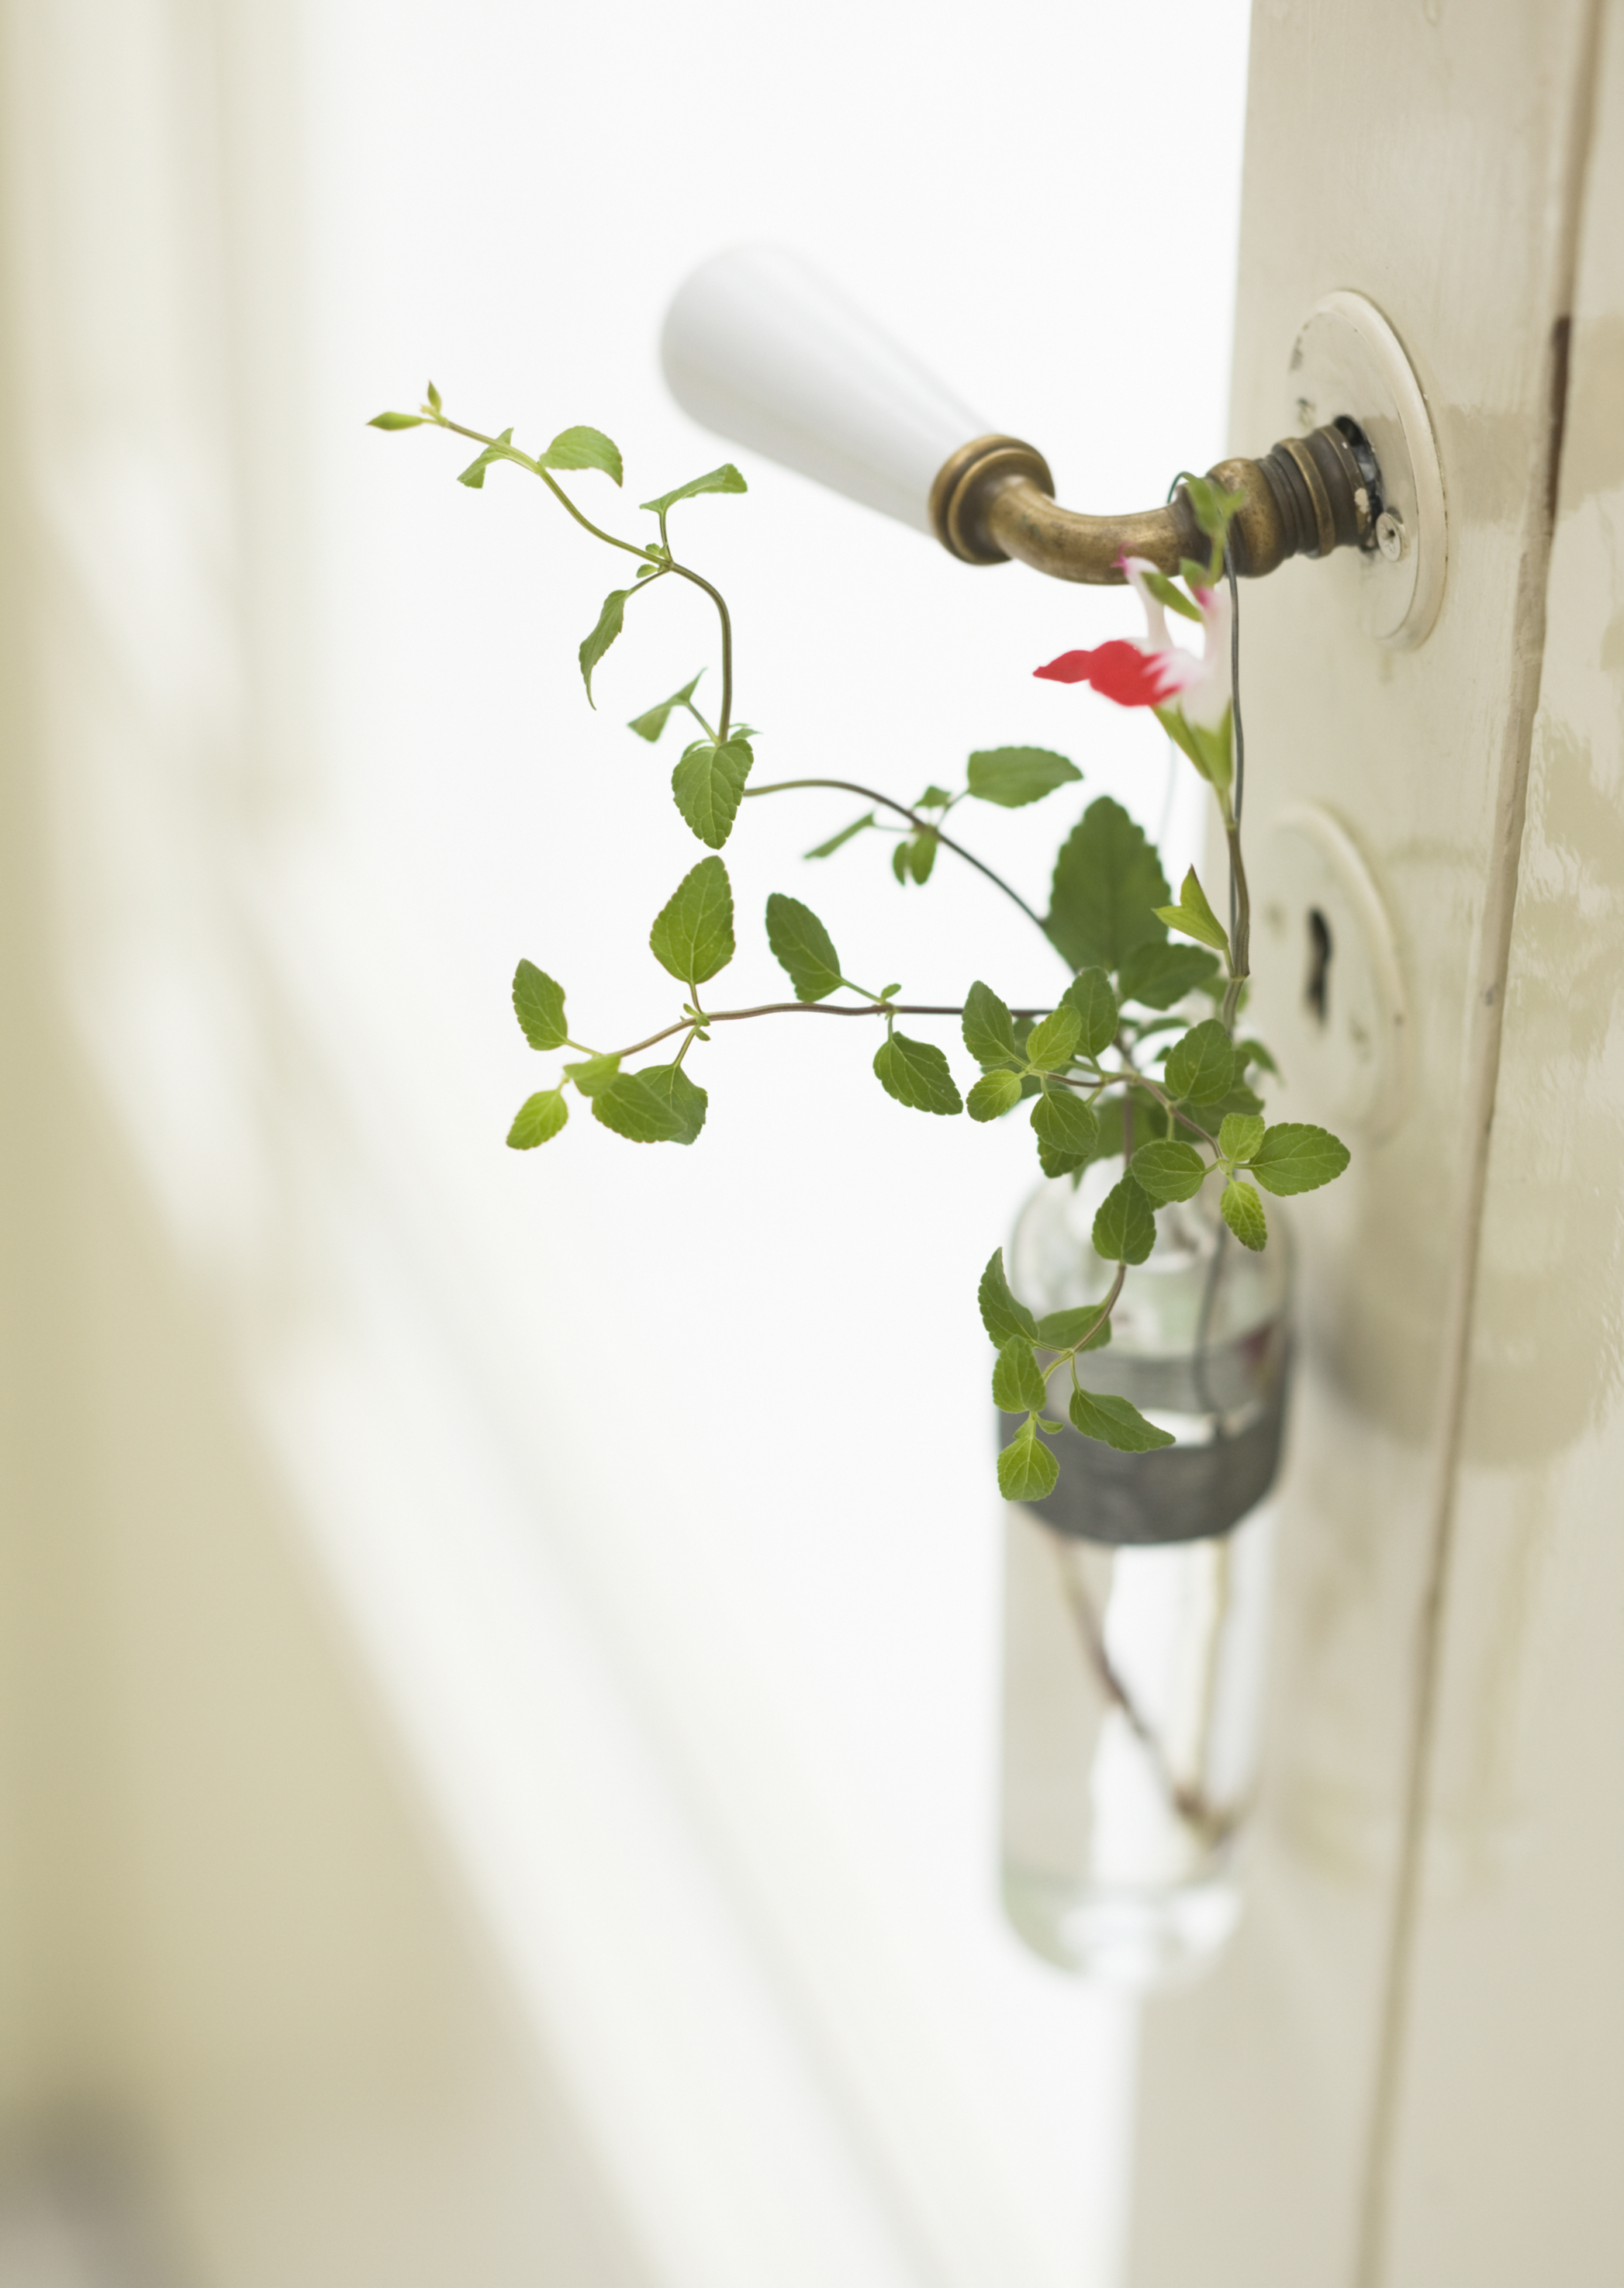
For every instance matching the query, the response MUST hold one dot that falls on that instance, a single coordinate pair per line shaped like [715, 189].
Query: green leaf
[993, 1095]
[827, 849]
[1253, 1052]
[934, 797]
[725, 480]
[1240, 1099]
[1116, 1422]
[1026, 1469]
[1090, 994]
[1001, 1314]
[899, 862]
[919, 850]
[1065, 1123]
[1165, 1171]
[538, 1004]
[916, 1074]
[594, 1074]
[1149, 1119]
[583, 448]
[709, 786]
[692, 934]
[1108, 883]
[650, 726]
[610, 621]
[1108, 1112]
[988, 1028]
[1124, 1229]
[1297, 1157]
[1194, 916]
[1063, 1331]
[1051, 1045]
[1215, 751]
[1243, 1213]
[1239, 1134]
[1017, 1385]
[1214, 507]
[1013, 776]
[659, 1105]
[1200, 1066]
[538, 1118]
[396, 421]
[1183, 736]
[1174, 598]
[803, 947]
[474, 475]
[433, 397]
[1156, 974]
[1062, 1163]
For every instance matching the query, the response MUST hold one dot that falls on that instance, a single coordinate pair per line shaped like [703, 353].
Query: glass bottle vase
[1137, 1596]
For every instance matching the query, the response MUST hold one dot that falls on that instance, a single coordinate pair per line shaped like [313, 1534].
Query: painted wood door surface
[1410, 2069]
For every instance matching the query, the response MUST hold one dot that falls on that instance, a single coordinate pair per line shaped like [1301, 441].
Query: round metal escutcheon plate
[1348, 361]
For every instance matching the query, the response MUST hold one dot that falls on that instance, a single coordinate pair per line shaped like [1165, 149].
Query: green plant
[1117, 1067]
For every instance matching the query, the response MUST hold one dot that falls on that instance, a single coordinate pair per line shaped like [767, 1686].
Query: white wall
[343, 775]
[509, 211]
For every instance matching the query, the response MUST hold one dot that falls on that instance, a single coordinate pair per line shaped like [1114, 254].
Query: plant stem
[524, 460]
[1208, 1820]
[1082, 1342]
[1239, 900]
[921, 825]
[810, 1009]
[512, 453]
[725, 716]
[1240, 942]
[1136, 1079]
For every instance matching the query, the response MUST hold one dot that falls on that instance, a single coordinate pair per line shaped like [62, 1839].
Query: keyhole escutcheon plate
[1330, 998]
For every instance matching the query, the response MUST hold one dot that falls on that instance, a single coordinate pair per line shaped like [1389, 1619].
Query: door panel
[1509, 2089]
[1430, 157]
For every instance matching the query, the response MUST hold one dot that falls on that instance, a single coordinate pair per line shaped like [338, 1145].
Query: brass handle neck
[993, 499]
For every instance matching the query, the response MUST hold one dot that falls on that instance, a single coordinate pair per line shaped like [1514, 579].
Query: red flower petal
[1070, 667]
[1120, 671]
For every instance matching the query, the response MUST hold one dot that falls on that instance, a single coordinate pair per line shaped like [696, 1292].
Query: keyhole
[1317, 991]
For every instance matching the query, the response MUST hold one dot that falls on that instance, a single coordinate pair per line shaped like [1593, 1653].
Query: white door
[1408, 2070]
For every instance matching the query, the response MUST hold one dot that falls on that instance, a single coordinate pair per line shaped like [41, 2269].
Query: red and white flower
[1158, 672]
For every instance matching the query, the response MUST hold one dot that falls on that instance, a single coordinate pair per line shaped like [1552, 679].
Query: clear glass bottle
[1136, 1596]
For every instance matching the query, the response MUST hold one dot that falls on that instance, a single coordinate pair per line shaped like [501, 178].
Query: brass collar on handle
[993, 499]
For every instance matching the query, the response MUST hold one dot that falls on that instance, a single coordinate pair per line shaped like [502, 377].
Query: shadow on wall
[229, 1940]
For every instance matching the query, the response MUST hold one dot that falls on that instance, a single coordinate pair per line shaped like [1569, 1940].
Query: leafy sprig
[1124, 1064]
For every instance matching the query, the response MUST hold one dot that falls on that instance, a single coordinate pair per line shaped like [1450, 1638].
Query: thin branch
[1240, 896]
[512, 453]
[1209, 1820]
[814, 1009]
[1240, 899]
[683, 571]
[1133, 1077]
[1082, 1342]
[922, 826]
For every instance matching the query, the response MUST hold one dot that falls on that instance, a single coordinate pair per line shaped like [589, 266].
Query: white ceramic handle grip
[761, 347]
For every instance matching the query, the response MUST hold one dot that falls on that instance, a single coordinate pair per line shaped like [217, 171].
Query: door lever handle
[760, 346]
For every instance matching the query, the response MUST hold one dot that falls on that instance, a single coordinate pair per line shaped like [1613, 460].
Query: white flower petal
[1157, 638]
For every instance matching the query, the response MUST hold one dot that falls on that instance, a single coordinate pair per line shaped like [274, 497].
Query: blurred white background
[722, 1412]
[758, 1363]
